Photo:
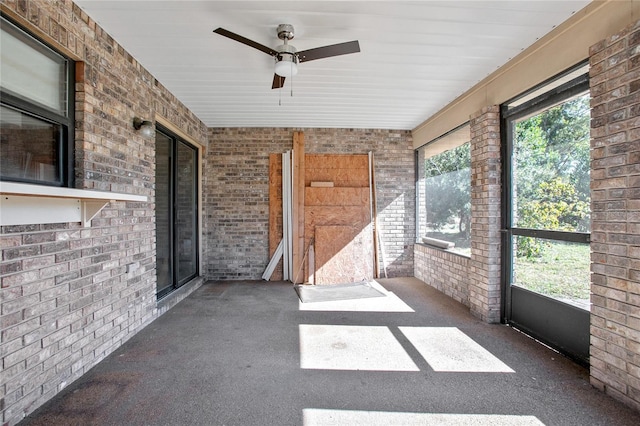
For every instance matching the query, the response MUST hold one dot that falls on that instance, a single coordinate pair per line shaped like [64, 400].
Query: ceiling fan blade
[278, 81]
[244, 40]
[328, 51]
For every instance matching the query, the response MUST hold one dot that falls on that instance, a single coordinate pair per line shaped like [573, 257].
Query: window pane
[28, 147]
[445, 198]
[551, 168]
[31, 71]
[186, 211]
[164, 245]
[556, 269]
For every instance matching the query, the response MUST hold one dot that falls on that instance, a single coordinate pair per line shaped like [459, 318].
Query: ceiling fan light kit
[286, 56]
[286, 65]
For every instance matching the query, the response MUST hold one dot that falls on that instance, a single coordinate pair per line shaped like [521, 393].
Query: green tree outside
[551, 178]
[448, 190]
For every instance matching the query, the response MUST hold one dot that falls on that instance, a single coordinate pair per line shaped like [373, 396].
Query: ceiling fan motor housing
[285, 32]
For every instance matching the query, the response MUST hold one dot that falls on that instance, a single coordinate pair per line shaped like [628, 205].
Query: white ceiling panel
[416, 56]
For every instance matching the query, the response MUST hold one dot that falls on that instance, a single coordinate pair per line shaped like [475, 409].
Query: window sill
[26, 204]
[442, 244]
[444, 250]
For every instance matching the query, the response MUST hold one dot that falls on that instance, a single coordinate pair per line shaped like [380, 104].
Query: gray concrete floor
[231, 354]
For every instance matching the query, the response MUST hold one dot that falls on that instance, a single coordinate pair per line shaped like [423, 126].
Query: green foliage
[551, 172]
[554, 143]
[556, 206]
[530, 248]
[448, 188]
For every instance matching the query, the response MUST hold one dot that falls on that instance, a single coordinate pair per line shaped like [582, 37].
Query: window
[36, 111]
[444, 192]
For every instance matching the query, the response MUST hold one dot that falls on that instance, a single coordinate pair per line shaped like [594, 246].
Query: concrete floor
[244, 353]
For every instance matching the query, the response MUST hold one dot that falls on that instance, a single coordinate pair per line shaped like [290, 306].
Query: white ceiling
[416, 56]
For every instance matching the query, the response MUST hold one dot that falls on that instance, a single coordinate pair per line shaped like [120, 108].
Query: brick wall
[615, 236]
[67, 300]
[484, 273]
[236, 192]
[474, 281]
[443, 270]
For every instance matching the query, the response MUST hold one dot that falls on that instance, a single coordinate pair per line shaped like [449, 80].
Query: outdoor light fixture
[145, 127]
[287, 65]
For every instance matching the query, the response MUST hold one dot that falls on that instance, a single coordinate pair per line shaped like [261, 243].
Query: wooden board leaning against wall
[337, 231]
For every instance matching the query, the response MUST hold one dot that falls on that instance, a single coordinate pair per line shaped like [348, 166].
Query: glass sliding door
[547, 217]
[177, 243]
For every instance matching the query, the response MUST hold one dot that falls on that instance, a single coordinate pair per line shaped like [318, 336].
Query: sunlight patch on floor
[389, 303]
[449, 349]
[318, 416]
[343, 347]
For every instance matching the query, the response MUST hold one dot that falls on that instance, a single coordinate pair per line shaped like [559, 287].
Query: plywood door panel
[343, 254]
[337, 161]
[336, 215]
[339, 177]
[338, 219]
[341, 169]
[336, 196]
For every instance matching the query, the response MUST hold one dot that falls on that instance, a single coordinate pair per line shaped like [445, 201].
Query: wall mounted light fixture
[145, 127]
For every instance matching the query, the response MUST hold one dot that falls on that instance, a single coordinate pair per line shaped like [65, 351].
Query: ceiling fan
[287, 57]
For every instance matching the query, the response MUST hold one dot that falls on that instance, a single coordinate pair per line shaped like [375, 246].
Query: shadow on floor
[244, 353]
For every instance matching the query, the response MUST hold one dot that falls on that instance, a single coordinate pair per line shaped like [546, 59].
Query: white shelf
[25, 204]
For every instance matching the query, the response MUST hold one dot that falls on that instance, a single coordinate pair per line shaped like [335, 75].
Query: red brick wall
[67, 299]
[615, 195]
